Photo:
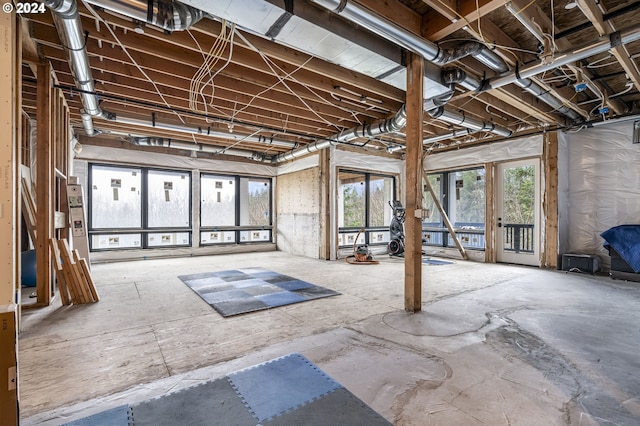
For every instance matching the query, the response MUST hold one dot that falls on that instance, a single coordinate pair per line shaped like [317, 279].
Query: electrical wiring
[281, 80]
[133, 61]
[198, 85]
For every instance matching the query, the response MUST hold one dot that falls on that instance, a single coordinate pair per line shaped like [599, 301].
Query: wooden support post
[325, 197]
[9, 219]
[44, 174]
[445, 218]
[413, 208]
[550, 203]
[490, 253]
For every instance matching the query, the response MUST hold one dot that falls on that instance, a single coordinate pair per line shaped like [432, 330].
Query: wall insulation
[603, 187]
[478, 155]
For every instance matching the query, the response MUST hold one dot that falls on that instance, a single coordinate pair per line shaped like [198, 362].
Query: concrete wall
[298, 214]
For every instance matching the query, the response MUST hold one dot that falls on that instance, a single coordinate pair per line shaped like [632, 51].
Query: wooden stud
[413, 221]
[43, 186]
[550, 202]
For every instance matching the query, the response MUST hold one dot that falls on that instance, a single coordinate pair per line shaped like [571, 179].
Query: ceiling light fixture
[571, 5]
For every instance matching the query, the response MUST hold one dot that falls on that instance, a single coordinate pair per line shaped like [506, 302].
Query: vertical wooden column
[550, 203]
[9, 219]
[8, 164]
[413, 224]
[44, 189]
[325, 217]
[490, 229]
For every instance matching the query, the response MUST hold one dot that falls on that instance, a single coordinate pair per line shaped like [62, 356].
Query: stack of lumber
[74, 279]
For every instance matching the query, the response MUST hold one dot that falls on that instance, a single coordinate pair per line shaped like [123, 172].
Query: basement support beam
[44, 172]
[413, 184]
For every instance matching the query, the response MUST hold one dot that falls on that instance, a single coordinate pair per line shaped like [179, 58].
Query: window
[462, 196]
[235, 209]
[133, 207]
[363, 203]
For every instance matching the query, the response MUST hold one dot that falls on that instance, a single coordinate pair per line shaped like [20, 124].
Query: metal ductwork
[166, 14]
[437, 138]
[196, 130]
[390, 125]
[362, 16]
[433, 53]
[460, 119]
[196, 147]
[72, 37]
[603, 44]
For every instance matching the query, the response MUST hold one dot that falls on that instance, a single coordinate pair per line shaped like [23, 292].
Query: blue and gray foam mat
[284, 391]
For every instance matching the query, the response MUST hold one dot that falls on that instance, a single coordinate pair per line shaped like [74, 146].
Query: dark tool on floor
[396, 229]
[361, 254]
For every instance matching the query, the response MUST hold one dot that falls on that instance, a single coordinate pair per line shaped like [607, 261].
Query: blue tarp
[625, 239]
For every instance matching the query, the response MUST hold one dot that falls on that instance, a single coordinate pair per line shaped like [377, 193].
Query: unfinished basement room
[320, 212]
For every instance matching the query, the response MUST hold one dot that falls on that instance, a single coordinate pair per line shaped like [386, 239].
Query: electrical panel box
[581, 263]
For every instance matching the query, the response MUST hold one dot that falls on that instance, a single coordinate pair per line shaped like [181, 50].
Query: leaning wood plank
[74, 291]
[60, 278]
[445, 218]
[28, 211]
[82, 262]
[84, 296]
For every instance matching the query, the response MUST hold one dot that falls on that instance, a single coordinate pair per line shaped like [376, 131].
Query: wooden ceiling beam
[592, 11]
[127, 87]
[253, 116]
[226, 87]
[535, 13]
[438, 26]
[179, 45]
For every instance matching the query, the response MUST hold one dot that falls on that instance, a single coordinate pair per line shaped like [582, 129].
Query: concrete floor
[494, 344]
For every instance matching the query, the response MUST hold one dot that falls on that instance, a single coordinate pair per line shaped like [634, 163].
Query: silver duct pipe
[196, 147]
[195, 130]
[546, 97]
[603, 44]
[433, 53]
[382, 27]
[166, 14]
[437, 138]
[461, 119]
[67, 21]
[393, 124]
